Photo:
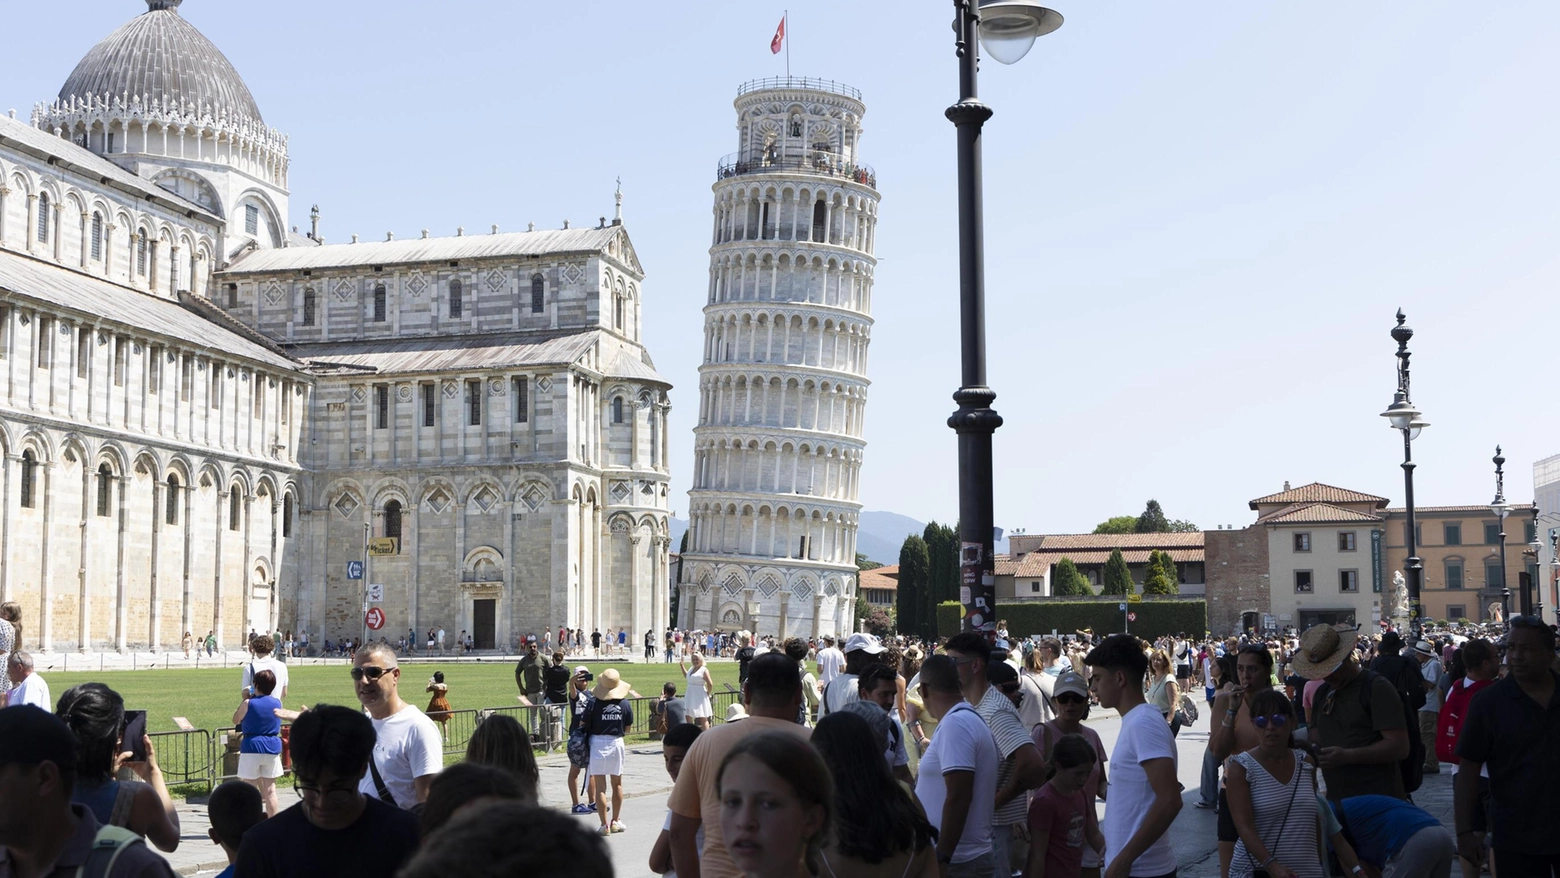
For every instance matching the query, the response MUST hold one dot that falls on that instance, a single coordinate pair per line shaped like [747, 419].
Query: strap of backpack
[107, 845]
[379, 783]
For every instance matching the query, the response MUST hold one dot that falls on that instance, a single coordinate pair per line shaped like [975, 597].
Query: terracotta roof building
[1026, 572]
[879, 585]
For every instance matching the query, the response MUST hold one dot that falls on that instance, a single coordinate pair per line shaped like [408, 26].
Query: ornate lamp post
[1501, 508]
[1533, 595]
[1007, 28]
[1405, 418]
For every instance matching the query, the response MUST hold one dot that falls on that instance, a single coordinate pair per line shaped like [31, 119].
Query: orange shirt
[695, 794]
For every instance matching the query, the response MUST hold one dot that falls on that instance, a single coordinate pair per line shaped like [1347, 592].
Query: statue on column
[1398, 608]
[1497, 612]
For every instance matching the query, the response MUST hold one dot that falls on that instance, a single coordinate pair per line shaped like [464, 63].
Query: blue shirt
[261, 727]
[1381, 825]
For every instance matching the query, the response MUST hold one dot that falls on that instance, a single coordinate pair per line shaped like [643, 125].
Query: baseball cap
[31, 735]
[866, 643]
[999, 672]
[1070, 681]
[583, 671]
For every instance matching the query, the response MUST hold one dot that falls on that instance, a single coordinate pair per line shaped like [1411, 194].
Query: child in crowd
[1061, 821]
[674, 746]
[233, 808]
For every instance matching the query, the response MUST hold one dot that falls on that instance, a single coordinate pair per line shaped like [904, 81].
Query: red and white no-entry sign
[375, 619]
[1131, 617]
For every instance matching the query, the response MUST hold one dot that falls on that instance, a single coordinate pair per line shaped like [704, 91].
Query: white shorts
[257, 765]
[606, 755]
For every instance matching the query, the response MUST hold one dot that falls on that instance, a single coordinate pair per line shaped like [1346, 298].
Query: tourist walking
[1063, 826]
[1163, 693]
[700, 688]
[1271, 790]
[1429, 712]
[187, 642]
[1072, 705]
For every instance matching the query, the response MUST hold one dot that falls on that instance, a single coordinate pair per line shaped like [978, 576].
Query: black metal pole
[975, 421]
[1401, 334]
[1500, 501]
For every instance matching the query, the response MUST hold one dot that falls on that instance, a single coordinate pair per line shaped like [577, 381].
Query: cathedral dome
[161, 58]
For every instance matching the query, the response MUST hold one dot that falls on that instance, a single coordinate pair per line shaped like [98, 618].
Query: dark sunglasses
[1008, 688]
[1278, 721]
[371, 672]
[1070, 698]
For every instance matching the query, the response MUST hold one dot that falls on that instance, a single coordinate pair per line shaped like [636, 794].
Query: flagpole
[787, 19]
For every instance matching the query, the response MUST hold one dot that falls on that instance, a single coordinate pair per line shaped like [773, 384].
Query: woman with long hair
[96, 716]
[700, 707]
[439, 705]
[499, 741]
[776, 806]
[1163, 692]
[879, 830]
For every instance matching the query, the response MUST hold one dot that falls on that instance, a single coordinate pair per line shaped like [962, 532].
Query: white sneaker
[617, 826]
[605, 830]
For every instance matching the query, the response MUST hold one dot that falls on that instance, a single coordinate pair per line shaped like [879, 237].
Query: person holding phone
[96, 716]
[260, 717]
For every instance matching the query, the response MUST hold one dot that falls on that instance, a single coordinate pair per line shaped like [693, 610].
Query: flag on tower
[779, 40]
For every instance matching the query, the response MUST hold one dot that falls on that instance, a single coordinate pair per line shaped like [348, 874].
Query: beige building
[1320, 555]
[1459, 548]
[1025, 572]
[880, 585]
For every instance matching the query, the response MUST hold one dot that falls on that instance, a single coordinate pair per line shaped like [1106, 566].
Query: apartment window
[1419, 534]
[1492, 575]
[1302, 542]
[617, 409]
[1529, 531]
[538, 293]
[105, 490]
[393, 519]
[140, 254]
[1348, 581]
[171, 501]
[287, 516]
[1492, 533]
[235, 510]
[382, 406]
[457, 305]
[43, 218]
[83, 352]
[1346, 541]
[215, 387]
[617, 314]
[1034, 588]
[309, 300]
[379, 303]
[29, 478]
[1302, 582]
[97, 235]
[1453, 534]
[1454, 575]
[1456, 611]
[428, 397]
[522, 399]
[474, 402]
[45, 341]
[251, 219]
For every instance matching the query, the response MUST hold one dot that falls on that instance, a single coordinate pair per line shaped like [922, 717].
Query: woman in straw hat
[609, 720]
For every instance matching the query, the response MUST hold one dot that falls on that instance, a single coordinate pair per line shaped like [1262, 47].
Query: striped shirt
[1285, 815]
[1008, 731]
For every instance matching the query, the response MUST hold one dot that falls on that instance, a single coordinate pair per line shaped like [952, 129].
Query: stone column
[186, 494]
[153, 597]
[121, 591]
[3, 193]
[86, 243]
[108, 247]
[44, 473]
[216, 580]
[636, 619]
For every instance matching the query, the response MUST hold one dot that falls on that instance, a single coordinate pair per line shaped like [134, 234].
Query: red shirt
[1061, 818]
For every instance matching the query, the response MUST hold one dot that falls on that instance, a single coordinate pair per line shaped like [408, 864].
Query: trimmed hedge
[1154, 618]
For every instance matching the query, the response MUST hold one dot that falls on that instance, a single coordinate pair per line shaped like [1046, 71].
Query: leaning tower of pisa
[783, 386]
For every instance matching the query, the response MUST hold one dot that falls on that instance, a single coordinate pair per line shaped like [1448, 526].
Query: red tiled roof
[880, 578]
[1036, 564]
[1516, 509]
[1050, 542]
[1316, 513]
[1316, 492]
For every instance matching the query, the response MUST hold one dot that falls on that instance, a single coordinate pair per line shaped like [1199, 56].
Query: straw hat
[1322, 650]
[736, 712]
[611, 686]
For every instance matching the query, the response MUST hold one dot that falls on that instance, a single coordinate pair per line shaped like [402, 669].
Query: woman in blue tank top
[96, 716]
[259, 717]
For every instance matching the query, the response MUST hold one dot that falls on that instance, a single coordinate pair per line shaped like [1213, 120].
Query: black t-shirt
[555, 683]
[379, 843]
[613, 718]
[744, 655]
[1515, 739]
[595, 639]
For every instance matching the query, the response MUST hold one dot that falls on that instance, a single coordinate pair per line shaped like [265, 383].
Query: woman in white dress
[700, 708]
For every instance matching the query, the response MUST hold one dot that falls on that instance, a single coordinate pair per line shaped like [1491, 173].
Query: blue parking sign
[354, 569]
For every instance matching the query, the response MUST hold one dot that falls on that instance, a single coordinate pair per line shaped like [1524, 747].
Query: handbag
[1188, 710]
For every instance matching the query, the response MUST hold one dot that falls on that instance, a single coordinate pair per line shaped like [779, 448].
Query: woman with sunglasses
[1272, 795]
[1071, 695]
[1163, 692]
[1234, 730]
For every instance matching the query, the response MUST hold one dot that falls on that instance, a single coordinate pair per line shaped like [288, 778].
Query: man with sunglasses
[408, 751]
[335, 829]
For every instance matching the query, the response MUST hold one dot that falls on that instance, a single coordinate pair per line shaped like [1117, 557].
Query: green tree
[1182, 526]
[1153, 520]
[1159, 578]
[912, 598]
[865, 563]
[1117, 578]
[942, 550]
[1067, 581]
[863, 609]
[1119, 524]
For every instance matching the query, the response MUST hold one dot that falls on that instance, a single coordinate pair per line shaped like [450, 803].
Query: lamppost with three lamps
[1007, 28]
[1405, 418]
[1501, 508]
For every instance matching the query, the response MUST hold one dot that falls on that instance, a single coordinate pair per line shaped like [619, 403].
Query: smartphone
[135, 732]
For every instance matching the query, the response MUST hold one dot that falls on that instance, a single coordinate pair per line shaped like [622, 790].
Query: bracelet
[1269, 861]
[1231, 712]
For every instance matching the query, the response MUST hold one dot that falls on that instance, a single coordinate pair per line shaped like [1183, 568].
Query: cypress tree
[1068, 581]
[911, 599]
[1118, 577]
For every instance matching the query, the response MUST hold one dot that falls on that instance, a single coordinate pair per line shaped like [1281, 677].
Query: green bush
[1154, 618]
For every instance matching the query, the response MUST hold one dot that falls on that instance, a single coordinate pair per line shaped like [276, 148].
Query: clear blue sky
[1200, 217]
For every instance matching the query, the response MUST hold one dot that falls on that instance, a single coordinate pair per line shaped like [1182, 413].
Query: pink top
[1061, 818]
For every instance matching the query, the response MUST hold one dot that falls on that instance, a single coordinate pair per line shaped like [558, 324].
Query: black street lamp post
[1501, 508]
[1404, 417]
[1007, 28]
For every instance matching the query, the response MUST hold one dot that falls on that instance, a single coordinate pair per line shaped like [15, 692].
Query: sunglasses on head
[371, 672]
[1070, 698]
[1277, 720]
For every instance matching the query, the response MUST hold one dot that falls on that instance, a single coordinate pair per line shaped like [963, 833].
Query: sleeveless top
[261, 727]
[1292, 840]
[110, 802]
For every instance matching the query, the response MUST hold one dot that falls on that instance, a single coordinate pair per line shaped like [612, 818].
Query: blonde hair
[1159, 655]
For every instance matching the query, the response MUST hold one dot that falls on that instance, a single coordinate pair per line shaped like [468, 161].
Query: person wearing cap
[1070, 694]
[861, 650]
[580, 701]
[1429, 714]
[1020, 768]
[605, 724]
[1357, 723]
[831, 662]
[41, 832]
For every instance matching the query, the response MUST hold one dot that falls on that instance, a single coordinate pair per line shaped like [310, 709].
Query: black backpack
[1412, 766]
[1403, 673]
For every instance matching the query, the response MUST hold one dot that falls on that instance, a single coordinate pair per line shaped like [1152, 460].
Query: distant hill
[879, 535]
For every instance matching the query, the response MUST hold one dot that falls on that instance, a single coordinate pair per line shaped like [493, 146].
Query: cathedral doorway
[483, 618]
[259, 602]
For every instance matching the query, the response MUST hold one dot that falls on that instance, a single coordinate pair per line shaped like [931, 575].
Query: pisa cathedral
[205, 415]
[783, 387]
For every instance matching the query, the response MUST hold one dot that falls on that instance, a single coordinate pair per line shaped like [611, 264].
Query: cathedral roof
[162, 59]
[507, 350]
[412, 250]
[63, 154]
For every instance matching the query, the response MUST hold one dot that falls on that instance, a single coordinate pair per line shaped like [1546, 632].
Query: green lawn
[207, 697]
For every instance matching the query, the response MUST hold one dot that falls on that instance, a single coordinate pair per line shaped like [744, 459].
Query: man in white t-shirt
[26, 686]
[1144, 794]
[842, 690]
[830, 661]
[957, 786]
[439, 638]
[408, 751]
[1430, 674]
[265, 660]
